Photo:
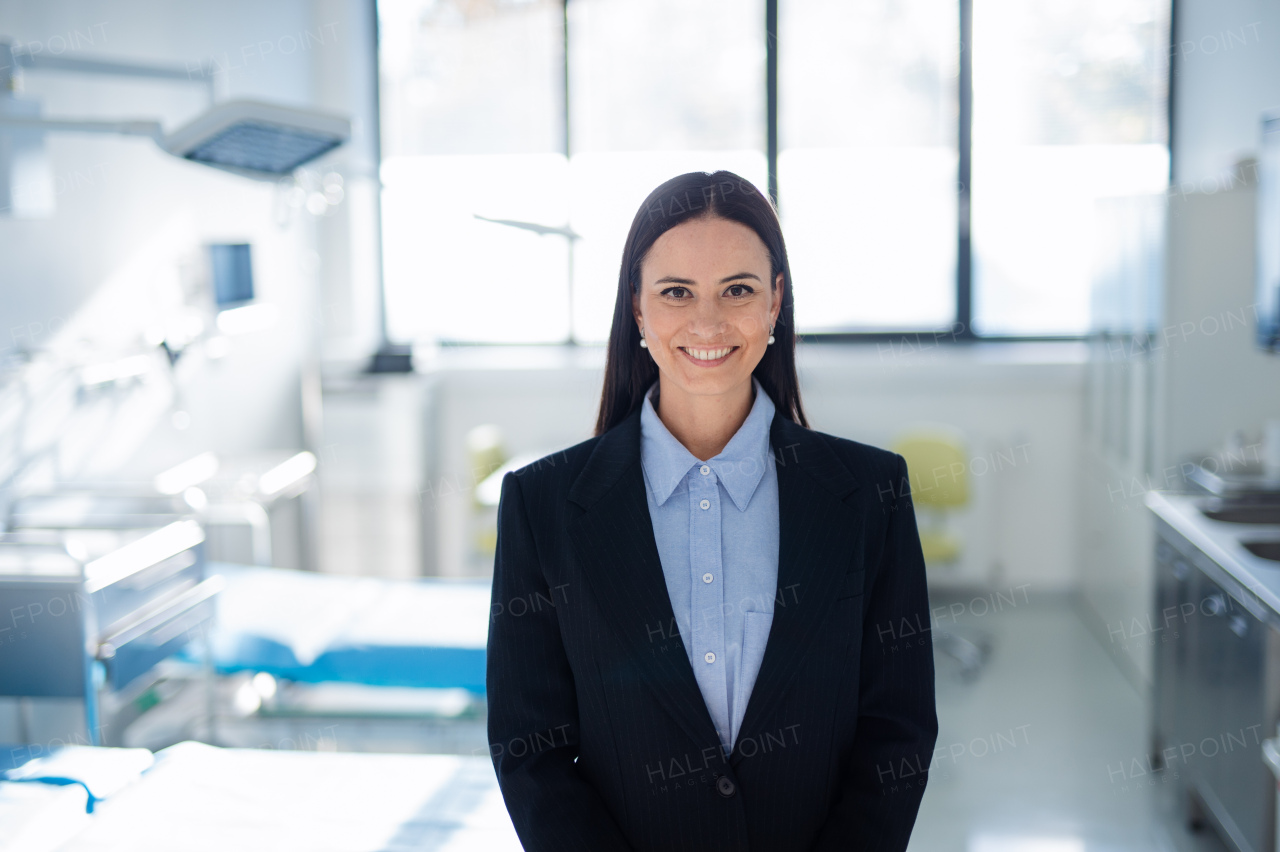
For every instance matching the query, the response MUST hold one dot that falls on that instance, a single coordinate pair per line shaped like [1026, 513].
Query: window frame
[961, 330]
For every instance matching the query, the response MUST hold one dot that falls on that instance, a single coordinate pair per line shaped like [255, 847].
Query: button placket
[708, 612]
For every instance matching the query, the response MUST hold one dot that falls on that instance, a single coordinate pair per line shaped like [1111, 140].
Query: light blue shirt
[716, 525]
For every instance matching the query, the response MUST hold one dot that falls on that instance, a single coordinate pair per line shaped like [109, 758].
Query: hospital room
[486, 425]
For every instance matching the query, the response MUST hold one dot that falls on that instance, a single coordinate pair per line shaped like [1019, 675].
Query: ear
[778, 291]
[635, 308]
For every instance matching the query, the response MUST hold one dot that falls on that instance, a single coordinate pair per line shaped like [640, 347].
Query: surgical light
[249, 138]
[257, 139]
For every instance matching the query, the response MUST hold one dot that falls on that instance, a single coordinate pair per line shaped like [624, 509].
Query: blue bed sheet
[317, 628]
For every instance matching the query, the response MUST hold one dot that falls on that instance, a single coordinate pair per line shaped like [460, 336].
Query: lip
[716, 362]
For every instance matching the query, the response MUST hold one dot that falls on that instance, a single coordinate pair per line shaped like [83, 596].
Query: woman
[710, 628]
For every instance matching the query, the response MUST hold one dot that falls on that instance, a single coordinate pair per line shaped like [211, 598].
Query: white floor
[1036, 754]
[1038, 750]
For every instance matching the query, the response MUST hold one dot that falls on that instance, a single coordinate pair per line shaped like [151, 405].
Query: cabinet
[1174, 609]
[1215, 693]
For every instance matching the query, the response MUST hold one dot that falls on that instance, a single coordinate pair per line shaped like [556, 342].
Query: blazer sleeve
[897, 719]
[533, 709]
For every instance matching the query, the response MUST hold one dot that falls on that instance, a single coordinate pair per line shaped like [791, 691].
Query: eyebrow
[672, 279]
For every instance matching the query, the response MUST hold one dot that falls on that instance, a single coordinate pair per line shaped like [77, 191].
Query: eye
[740, 290]
[675, 292]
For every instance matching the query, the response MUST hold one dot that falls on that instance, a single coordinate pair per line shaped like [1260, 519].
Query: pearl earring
[770, 334]
[644, 344]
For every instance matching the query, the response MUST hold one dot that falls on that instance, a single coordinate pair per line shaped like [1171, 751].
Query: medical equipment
[231, 273]
[269, 493]
[236, 499]
[91, 611]
[249, 138]
[255, 139]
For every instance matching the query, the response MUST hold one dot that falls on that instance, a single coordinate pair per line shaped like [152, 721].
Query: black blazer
[597, 728]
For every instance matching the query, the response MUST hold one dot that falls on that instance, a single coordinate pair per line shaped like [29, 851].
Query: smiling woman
[728, 583]
[704, 267]
[706, 330]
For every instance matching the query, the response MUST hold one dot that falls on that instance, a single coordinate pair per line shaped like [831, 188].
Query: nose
[708, 320]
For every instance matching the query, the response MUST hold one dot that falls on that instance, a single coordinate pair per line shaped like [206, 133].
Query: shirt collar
[739, 466]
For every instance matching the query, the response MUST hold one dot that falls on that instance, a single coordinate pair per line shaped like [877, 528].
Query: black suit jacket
[597, 728]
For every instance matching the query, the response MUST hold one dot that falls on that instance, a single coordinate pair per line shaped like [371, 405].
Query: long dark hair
[628, 370]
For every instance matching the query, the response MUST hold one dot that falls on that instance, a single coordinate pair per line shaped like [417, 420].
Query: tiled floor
[1033, 749]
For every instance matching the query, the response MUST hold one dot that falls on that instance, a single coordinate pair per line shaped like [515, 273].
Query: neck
[703, 423]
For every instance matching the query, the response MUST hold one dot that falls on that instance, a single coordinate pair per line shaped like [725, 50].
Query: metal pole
[568, 151]
[771, 95]
[964, 247]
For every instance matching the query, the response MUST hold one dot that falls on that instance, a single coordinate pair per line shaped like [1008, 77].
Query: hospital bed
[302, 626]
[320, 628]
[193, 797]
[339, 646]
[391, 665]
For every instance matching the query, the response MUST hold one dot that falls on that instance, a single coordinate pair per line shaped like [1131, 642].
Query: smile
[708, 357]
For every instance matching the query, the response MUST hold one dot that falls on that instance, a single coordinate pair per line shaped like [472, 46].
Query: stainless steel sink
[1249, 513]
[1264, 549]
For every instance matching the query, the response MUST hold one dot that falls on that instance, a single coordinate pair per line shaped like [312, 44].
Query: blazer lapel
[614, 540]
[818, 536]
[615, 543]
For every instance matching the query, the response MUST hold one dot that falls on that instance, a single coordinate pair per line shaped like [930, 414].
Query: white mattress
[199, 798]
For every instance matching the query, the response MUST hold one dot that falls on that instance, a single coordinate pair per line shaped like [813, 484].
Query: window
[471, 94]
[868, 111]
[1068, 108]
[649, 101]
[520, 136]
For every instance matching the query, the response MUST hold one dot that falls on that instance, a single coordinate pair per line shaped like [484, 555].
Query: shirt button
[705, 470]
[706, 504]
[707, 578]
[710, 656]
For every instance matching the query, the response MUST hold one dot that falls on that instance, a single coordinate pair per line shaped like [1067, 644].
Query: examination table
[198, 798]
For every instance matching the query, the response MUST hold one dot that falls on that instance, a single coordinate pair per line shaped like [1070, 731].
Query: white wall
[1019, 406]
[1227, 66]
[129, 217]
[1217, 379]
[348, 240]
[373, 468]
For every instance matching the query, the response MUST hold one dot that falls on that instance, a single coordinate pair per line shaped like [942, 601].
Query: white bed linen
[200, 798]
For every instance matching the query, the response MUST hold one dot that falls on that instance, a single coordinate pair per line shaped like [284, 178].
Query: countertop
[1252, 580]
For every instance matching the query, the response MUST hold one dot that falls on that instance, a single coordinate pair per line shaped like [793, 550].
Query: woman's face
[705, 304]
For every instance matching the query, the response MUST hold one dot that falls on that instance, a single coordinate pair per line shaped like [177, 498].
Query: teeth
[709, 354]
